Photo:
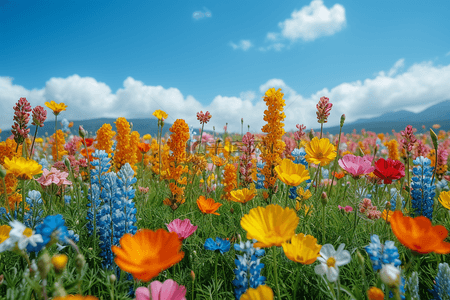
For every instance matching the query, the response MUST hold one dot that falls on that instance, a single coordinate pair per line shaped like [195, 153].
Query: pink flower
[348, 208]
[203, 117]
[182, 228]
[39, 116]
[53, 176]
[356, 165]
[323, 109]
[144, 190]
[169, 290]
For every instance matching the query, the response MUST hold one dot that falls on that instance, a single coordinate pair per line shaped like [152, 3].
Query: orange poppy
[89, 142]
[419, 235]
[143, 147]
[338, 175]
[208, 206]
[147, 253]
[90, 151]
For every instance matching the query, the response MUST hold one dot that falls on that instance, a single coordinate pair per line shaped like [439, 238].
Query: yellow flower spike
[291, 173]
[303, 194]
[271, 225]
[302, 249]
[22, 168]
[56, 107]
[262, 292]
[320, 151]
[160, 114]
[444, 199]
[59, 261]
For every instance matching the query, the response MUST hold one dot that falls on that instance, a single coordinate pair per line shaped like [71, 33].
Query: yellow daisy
[56, 107]
[320, 151]
[291, 173]
[22, 168]
[302, 249]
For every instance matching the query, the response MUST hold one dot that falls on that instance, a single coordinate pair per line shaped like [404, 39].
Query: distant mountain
[436, 114]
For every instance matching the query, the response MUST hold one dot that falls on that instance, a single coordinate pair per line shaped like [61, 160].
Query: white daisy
[22, 235]
[330, 260]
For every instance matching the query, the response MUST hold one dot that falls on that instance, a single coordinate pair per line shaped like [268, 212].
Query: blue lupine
[413, 286]
[382, 254]
[34, 215]
[299, 158]
[248, 268]
[259, 183]
[220, 244]
[422, 189]
[394, 194]
[441, 289]
[113, 207]
[44, 163]
[442, 185]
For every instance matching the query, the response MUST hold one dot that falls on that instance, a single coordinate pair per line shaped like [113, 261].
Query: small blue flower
[52, 228]
[220, 244]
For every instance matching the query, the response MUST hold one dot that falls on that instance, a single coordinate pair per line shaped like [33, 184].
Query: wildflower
[347, 209]
[419, 235]
[248, 268]
[220, 244]
[167, 290]
[320, 151]
[413, 285]
[387, 216]
[53, 176]
[408, 138]
[389, 170]
[323, 109]
[370, 211]
[104, 138]
[441, 289]
[298, 135]
[290, 173]
[392, 147]
[302, 249]
[143, 147]
[444, 199]
[271, 225]
[356, 165]
[229, 181]
[39, 116]
[59, 262]
[261, 292]
[382, 254]
[58, 141]
[208, 206]
[75, 297]
[243, 195]
[5, 243]
[21, 236]
[203, 117]
[375, 293]
[422, 189]
[21, 118]
[159, 114]
[390, 275]
[183, 229]
[22, 168]
[330, 260]
[147, 253]
[303, 194]
[52, 230]
[56, 107]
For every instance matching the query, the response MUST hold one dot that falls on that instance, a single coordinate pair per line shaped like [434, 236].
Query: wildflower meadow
[276, 215]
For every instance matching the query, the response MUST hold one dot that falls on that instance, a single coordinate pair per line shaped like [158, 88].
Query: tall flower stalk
[21, 118]
[57, 108]
[323, 112]
[39, 117]
[203, 118]
[407, 143]
[161, 116]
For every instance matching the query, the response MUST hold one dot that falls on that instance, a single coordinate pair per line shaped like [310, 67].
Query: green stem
[297, 281]
[23, 200]
[274, 251]
[34, 139]
[56, 138]
[335, 162]
[215, 269]
[323, 224]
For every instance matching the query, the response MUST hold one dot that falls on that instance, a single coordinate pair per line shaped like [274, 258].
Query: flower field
[277, 215]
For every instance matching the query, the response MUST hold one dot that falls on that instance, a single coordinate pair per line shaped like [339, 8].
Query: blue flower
[34, 215]
[382, 254]
[441, 290]
[259, 183]
[413, 285]
[220, 244]
[422, 189]
[51, 229]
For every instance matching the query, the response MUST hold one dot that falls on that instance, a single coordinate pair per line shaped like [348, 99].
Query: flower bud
[192, 275]
[311, 134]
[44, 264]
[112, 278]
[2, 172]
[360, 258]
[342, 120]
[82, 132]
[390, 275]
[67, 163]
[324, 198]
[59, 262]
[433, 138]
[80, 261]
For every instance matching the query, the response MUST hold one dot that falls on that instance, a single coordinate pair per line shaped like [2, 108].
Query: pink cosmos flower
[348, 208]
[356, 165]
[182, 228]
[169, 290]
[53, 176]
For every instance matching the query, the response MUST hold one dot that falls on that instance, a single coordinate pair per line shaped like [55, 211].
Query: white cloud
[87, 98]
[243, 45]
[313, 21]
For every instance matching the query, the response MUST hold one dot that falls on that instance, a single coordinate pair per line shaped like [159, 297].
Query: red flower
[389, 170]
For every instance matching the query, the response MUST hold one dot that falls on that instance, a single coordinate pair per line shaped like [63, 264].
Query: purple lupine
[39, 116]
[408, 138]
[21, 118]
[323, 109]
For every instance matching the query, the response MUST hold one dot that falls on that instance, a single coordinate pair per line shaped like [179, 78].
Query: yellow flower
[160, 114]
[306, 208]
[243, 195]
[59, 261]
[291, 173]
[22, 168]
[303, 194]
[302, 249]
[39, 140]
[56, 107]
[147, 136]
[375, 293]
[4, 233]
[271, 225]
[320, 151]
[444, 198]
[75, 297]
[262, 292]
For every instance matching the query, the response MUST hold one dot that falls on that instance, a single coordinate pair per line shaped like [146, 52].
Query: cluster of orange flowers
[229, 181]
[392, 146]
[274, 145]
[126, 148]
[104, 138]
[154, 156]
[60, 141]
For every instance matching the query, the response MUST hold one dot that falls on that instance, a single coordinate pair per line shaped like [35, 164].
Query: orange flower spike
[147, 253]
[208, 206]
[143, 147]
[419, 235]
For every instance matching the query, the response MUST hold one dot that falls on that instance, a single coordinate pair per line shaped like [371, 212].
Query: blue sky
[129, 58]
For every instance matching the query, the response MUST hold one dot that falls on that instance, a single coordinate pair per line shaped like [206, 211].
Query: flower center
[331, 262]
[319, 155]
[27, 232]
